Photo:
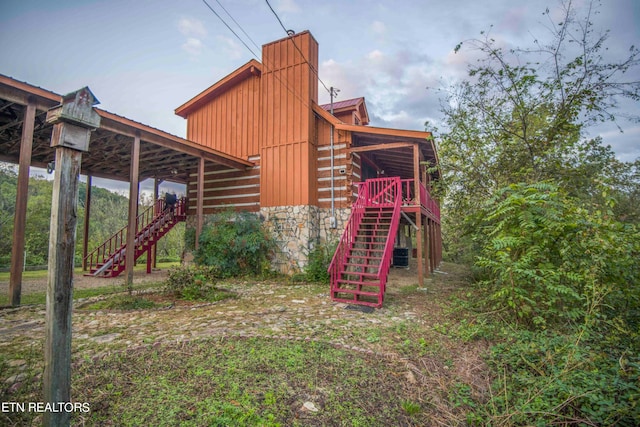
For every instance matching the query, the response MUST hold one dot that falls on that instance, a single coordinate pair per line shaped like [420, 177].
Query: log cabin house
[257, 140]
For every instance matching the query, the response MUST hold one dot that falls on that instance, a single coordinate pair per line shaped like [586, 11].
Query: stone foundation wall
[296, 231]
[328, 234]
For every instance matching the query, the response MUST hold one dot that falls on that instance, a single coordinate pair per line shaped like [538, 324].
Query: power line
[289, 33]
[277, 17]
[273, 73]
[239, 26]
[230, 29]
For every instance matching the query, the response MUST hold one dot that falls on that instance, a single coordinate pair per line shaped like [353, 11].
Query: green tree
[522, 114]
[8, 183]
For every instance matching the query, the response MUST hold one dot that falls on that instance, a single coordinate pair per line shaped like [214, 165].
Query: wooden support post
[156, 195]
[439, 243]
[20, 218]
[71, 133]
[200, 202]
[432, 239]
[425, 237]
[132, 229]
[416, 178]
[87, 215]
[149, 261]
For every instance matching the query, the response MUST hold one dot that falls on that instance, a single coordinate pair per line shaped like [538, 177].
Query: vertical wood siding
[231, 121]
[288, 155]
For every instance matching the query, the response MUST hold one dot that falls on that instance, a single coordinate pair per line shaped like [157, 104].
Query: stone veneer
[328, 234]
[297, 230]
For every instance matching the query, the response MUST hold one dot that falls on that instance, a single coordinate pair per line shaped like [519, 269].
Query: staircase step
[357, 282]
[358, 265]
[354, 301]
[355, 292]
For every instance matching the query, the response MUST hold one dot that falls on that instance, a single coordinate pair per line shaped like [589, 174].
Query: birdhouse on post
[73, 121]
[77, 112]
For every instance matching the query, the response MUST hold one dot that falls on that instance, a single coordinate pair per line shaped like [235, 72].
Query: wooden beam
[20, 217]
[426, 242]
[156, 196]
[87, 215]
[134, 188]
[389, 146]
[57, 351]
[123, 126]
[17, 92]
[200, 202]
[69, 140]
[416, 178]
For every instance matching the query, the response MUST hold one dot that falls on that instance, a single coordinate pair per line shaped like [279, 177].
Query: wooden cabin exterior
[258, 141]
[303, 182]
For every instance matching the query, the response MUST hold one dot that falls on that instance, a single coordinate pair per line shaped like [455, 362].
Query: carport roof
[162, 155]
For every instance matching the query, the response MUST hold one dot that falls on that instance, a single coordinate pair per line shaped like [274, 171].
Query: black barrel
[401, 257]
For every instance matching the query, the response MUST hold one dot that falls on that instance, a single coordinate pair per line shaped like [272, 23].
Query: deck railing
[427, 202]
[336, 267]
[378, 192]
[117, 242]
[394, 190]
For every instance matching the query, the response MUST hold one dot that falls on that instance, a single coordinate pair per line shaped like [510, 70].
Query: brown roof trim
[350, 105]
[251, 68]
[422, 135]
[19, 92]
[325, 114]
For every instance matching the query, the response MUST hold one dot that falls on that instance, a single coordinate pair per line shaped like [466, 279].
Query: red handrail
[385, 263]
[336, 267]
[377, 192]
[427, 202]
[117, 242]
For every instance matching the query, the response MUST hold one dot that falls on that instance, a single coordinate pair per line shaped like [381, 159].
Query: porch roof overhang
[162, 155]
[392, 149]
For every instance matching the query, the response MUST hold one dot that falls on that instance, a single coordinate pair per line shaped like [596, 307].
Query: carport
[120, 149]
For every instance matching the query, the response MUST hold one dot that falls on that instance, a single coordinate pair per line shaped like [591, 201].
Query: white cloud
[193, 46]
[232, 48]
[192, 28]
[288, 6]
[378, 27]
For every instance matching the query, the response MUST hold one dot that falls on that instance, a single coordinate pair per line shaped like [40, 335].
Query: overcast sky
[144, 58]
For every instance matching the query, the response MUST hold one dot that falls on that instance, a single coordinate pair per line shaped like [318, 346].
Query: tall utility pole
[73, 122]
[333, 92]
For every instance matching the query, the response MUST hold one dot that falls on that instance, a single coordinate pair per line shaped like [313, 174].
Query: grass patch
[42, 274]
[124, 302]
[41, 297]
[240, 382]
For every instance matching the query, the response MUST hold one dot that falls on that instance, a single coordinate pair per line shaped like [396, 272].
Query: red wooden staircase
[108, 259]
[360, 265]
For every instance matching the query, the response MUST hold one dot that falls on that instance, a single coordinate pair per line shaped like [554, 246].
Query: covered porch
[411, 156]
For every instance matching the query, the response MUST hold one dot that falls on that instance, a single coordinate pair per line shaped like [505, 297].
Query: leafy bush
[190, 283]
[547, 259]
[568, 276]
[319, 260]
[235, 244]
[546, 378]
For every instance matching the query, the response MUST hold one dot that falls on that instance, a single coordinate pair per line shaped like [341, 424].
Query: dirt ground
[415, 328]
[30, 286]
[398, 278]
